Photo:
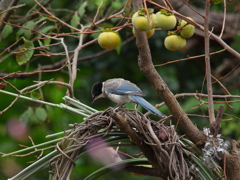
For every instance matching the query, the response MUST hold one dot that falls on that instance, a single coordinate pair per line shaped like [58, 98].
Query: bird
[122, 91]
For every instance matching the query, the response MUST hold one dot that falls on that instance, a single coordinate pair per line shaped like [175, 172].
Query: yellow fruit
[149, 33]
[108, 40]
[166, 22]
[174, 42]
[188, 30]
[141, 21]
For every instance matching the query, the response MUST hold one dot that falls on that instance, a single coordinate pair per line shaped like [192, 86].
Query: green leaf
[6, 31]
[25, 32]
[75, 21]
[11, 8]
[47, 28]
[25, 55]
[119, 47]
[41, 114]
[50, 111]
[81, 9]
[27, 115]
[40, 42]
[36, 95]
[46, 42]
[40, 20]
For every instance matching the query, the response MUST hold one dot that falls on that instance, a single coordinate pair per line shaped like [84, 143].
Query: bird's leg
[118, 106]
[136, 106]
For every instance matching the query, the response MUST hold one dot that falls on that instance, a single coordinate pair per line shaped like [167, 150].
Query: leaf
[119, 47]
[41, 114]
[6, 31]
[47, 28]
[81, 9]
[46, 42]
[50, 110]
[40, 43]
[27, 115]
[36, 95]
[75, 21]
[25, 55]
[11, 8]
[25, 32]
[40, 20]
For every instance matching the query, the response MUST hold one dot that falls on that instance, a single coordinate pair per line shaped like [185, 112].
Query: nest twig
[159, 143]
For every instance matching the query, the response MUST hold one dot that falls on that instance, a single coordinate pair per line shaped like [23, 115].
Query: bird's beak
[94, 98]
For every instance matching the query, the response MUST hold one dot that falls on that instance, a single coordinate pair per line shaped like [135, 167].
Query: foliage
[49, 49]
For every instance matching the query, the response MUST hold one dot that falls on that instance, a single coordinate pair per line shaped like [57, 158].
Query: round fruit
[174, 42]
[141, 21]
[154, 20]
[188, 30]
[149, 33]
[108, 40]
[166, 21]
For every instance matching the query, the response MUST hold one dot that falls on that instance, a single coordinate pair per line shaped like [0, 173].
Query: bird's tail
[147, 105]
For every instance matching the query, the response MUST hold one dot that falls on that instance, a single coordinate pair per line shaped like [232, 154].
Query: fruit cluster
[177, 40]
[147, 22]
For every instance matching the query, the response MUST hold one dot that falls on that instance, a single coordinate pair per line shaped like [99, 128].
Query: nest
[159, 143]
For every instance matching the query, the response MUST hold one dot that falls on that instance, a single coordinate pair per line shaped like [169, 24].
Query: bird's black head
[96, 90]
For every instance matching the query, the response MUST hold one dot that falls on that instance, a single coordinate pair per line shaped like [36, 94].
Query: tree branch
[147, 68]
[3, 6]
[207, 64]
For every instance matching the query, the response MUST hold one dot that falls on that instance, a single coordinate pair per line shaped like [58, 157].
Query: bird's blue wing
[123, 87]
[147, 105]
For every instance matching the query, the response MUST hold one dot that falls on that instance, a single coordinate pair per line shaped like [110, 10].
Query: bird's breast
[120, 99]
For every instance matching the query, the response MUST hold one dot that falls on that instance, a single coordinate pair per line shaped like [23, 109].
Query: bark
[147, 68]
[5, 4]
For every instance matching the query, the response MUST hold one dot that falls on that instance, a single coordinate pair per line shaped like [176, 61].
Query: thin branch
[26, 74]
[218, 121]
[54, 17]
[38, 150]
[193, 8]
[53, 82]
[221, 85]
[75, 58]
[5, 5]
[189, 58]
[207, 64]
[224, 18]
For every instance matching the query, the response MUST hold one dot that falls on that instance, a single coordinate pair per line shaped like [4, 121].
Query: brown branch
[27, 74]
[188, 58]
[207, 64]
[3, 6]
[49, 68]
[37, 150]
[54, 17]
[125, 127]
[215, 126]
[147, 68]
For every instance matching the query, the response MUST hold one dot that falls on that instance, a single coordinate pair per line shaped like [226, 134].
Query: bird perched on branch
[122, 91]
